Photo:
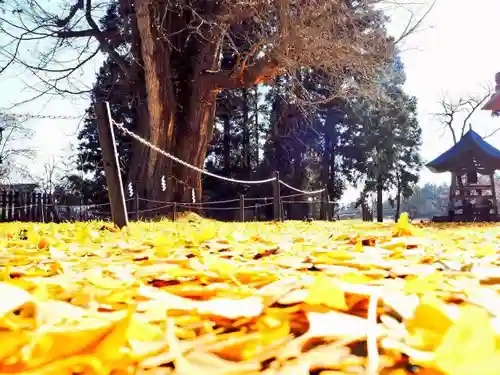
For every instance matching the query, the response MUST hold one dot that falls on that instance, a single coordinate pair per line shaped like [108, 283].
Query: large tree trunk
[181, 107]
[139, 172]
[138, 169]
[182, 79]
[160, 96]
[191, 141]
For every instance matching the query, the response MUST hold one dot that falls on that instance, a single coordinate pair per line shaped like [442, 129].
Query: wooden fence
[21, 206]
[38, 207]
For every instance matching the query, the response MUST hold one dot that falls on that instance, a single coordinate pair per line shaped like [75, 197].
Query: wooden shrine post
[494, 194]
[453, 188]
[111, 166]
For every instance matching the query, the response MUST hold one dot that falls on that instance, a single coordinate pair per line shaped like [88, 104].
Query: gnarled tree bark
[182, 81]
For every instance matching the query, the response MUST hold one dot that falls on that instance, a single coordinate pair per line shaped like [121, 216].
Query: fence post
[111, 166]
[137, 208]
[174, 216]
[242, 208]
[276, 196]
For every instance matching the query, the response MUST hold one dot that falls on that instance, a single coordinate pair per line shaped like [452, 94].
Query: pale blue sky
[453, 54]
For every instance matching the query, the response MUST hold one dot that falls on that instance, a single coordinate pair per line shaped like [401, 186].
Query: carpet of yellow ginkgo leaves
[204, 297]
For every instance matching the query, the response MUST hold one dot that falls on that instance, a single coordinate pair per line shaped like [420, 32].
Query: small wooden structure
[472, 197]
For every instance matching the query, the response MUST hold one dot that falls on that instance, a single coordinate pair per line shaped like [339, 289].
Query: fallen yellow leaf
[325, 291]
[429, 324]
[469, 346]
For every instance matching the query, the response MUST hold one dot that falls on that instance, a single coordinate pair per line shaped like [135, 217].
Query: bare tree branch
[72, 12]
[12, 150]
[26, 24]
[447, 117]
[106, 47]
[86, 33]
[460, 110]
[492, 133]
[411, 27]
[293, 44]
[474, 104]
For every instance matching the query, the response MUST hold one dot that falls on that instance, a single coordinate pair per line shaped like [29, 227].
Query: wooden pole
[111, 166]
[242, 208]
[276, 197]
[494, 195]
[451, 200]
[137, 207]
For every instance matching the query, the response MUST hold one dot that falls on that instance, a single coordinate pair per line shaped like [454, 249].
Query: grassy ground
[202, 297]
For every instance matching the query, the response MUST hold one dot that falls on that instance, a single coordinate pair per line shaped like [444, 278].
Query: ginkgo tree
[181, 54]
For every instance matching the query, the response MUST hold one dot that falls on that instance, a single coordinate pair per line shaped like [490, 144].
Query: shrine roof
[471, 153]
